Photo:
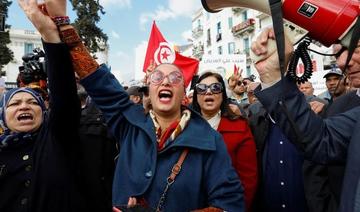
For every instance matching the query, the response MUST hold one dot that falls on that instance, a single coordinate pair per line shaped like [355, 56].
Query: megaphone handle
[271, 48]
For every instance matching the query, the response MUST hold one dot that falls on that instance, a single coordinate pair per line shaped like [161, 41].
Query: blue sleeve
[323, 140]
[109, 96]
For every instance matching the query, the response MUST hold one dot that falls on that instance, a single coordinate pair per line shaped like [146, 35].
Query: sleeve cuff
[268, 85]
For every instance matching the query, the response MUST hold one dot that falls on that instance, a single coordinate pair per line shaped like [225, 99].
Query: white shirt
[215, 120]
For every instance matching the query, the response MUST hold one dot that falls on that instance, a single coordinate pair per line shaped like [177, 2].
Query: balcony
[244, 27]
[244, 51]
[197, 32]
[218, 37]
[262, 16]
[198, 50]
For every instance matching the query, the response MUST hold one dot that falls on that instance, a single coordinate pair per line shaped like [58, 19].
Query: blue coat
[330, 140]
[207, 177]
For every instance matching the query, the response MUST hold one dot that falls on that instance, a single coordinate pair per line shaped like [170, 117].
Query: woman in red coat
[211, 101]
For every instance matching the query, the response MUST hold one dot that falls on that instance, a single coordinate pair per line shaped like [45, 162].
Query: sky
[128, 23]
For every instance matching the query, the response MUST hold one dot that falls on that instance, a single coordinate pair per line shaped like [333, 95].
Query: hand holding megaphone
[264, 48]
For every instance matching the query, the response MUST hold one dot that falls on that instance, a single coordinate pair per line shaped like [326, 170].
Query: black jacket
[39, 172]
[97, 163]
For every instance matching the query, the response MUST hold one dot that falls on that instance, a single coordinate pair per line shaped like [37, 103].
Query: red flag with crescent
[160, 51]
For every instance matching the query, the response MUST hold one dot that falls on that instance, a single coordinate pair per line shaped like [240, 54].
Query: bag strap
[278, 25]
[171, 179]
[177, 167]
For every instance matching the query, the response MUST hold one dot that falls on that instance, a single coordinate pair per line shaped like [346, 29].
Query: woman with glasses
[170, 158]
[211, 101]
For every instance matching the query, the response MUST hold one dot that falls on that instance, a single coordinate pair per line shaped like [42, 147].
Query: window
[244, 15]
[230, 22]
[208, 35]
[218, 28]
[28, 48]
[248, 70]
[220, 51]
[246, 45]
[231, 48]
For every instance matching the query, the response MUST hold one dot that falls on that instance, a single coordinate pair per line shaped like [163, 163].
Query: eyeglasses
[215, 88]
[174, 77]
[239, 83]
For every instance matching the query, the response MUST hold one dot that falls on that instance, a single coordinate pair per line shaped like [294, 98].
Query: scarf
[172, 131]
[7, 136]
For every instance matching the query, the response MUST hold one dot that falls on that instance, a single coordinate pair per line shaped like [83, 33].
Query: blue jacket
[207, 177]
[329, 140]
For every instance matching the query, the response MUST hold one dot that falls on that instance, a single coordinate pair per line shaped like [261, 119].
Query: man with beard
[238, 89]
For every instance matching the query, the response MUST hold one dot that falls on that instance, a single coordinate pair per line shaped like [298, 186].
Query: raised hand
[234, 79]
[38, 15]
[149, 70]
[317, 106]
[268, 68]
[56, 7]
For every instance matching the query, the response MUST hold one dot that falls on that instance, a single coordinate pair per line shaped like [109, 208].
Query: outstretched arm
[38, 15]
[323, 140]
[64, 103]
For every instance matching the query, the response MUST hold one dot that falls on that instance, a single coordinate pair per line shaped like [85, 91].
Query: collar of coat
[198, 134]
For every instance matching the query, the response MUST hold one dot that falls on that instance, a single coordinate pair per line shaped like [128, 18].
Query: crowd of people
[84, 142]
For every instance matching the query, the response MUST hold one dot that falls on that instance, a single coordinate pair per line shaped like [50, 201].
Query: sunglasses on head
[215, 88]
[158, 77]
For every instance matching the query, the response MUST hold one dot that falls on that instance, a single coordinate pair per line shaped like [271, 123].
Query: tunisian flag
[160, 51]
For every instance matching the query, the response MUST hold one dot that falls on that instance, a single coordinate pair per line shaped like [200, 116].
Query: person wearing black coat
[281, 185]
[38, 165]
[39, 149]
[97, 163]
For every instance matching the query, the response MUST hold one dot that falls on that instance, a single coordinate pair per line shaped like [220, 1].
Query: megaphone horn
[327, 21]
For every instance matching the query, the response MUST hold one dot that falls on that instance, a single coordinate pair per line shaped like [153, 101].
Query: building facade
[228, 32]
[231, 31]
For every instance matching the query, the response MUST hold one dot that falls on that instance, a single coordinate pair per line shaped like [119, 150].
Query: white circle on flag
[164, 54]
